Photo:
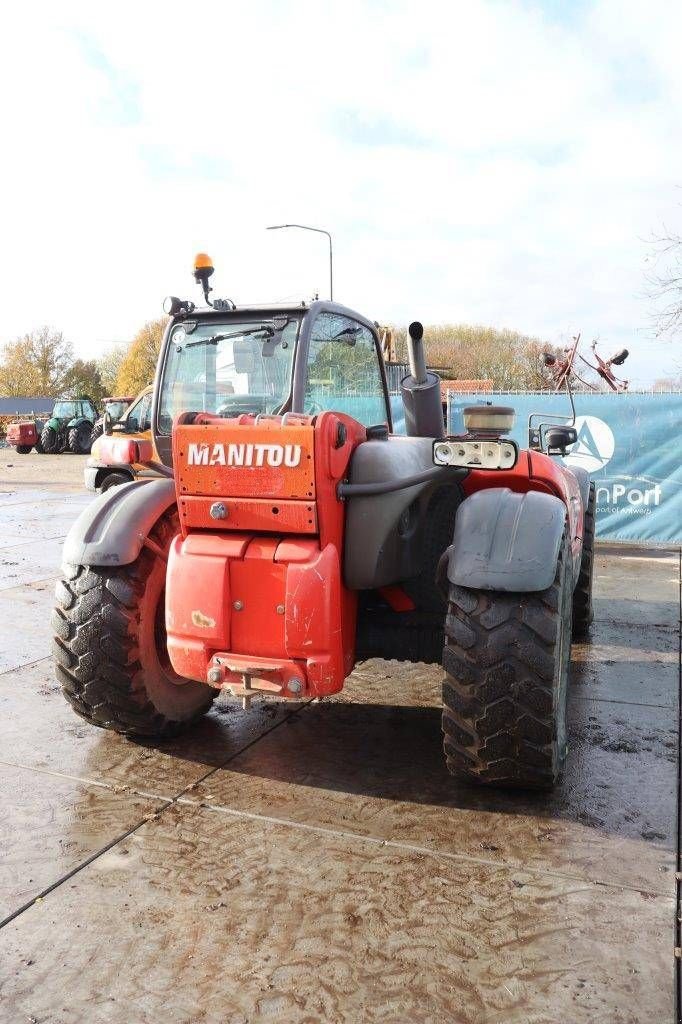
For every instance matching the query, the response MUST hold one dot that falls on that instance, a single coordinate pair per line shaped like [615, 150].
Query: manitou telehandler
[293, 533]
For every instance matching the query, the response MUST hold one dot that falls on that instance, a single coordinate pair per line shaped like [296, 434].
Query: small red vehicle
[24, 435]
[294, 533]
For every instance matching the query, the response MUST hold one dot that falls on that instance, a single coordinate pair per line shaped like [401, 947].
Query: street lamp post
[320, 231]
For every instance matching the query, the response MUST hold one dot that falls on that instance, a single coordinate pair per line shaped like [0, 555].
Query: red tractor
[293, 534]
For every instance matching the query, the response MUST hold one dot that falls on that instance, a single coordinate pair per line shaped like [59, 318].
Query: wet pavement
[316, 862]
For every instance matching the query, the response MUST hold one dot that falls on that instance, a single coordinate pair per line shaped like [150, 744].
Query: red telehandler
[293, 533]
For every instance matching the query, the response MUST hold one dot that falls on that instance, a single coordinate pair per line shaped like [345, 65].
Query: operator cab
[228, 361]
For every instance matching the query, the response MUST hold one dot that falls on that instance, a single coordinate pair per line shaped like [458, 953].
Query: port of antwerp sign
[631, 445]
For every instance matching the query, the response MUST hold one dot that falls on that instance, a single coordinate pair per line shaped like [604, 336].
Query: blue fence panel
[397, 414]
[630, 444]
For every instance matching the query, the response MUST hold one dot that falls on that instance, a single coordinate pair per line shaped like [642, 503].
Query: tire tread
[498, 694]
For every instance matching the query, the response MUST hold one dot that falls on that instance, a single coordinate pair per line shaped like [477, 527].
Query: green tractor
[69, 427]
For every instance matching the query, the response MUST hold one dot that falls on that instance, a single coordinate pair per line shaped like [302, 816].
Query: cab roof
[265, 309]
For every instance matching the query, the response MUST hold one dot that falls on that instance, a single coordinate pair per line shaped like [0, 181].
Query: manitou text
[244, 455]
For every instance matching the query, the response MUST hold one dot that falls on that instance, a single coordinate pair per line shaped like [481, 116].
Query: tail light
[122, 451]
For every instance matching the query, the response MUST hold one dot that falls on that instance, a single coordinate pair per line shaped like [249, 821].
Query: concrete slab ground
[316, 862]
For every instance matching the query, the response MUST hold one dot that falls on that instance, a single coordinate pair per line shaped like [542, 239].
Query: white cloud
[475, 161]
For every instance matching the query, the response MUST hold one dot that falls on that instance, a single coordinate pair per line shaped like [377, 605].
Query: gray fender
[506, 541]
[115, 525]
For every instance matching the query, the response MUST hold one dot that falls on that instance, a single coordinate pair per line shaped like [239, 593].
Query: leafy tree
[139, 362]
[84, 378]
[472, 352]
[109, 366]
[36, 364]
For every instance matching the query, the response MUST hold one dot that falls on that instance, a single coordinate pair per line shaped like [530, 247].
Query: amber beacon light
[203, 268]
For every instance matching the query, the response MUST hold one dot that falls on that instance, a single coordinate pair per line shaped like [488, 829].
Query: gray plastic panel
[376, 554]
[507, 542]
[114, 526]
[423, 406]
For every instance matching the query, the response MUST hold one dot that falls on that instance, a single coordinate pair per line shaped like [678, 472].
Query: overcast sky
[492, 162]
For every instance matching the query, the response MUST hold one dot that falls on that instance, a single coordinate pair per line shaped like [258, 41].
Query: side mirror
[107, 423]
[558, 438]
[244, 361]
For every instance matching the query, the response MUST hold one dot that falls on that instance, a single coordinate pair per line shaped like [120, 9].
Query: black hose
[386, 486]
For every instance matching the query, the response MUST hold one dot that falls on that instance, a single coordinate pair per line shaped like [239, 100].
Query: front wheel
[506, 660]
[110, 646]
[23, 449]
[113, 480]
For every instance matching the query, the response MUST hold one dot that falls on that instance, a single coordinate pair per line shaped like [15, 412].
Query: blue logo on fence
[595, 445]
[629, 444]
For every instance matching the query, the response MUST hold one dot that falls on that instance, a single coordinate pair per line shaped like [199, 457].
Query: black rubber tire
[110, 646]
[96, 432]
[435, 535]
[23, 449]
[506, 660]
[583, 612]
[39, 447]
[79, 439]
[113, 480]
[50, 441]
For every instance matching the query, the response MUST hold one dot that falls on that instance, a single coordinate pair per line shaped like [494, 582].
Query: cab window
[343, 372]
[138, 418]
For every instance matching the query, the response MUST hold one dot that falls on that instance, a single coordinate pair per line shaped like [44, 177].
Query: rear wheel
[506, 660]
[50, 441]
[79, 439]
[23, 449]
[110, 646]
[583, 612]
[96, 432]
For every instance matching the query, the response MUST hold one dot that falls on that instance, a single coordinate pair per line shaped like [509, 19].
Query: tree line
[43, 363]
[510, 359]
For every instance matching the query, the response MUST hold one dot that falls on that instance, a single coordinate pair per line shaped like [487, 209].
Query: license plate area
[476, 453]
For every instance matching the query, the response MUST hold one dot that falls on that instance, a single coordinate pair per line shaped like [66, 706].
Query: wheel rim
[161, 641]
[172, 695]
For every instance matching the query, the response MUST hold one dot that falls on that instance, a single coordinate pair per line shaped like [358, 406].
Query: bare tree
[665, 284]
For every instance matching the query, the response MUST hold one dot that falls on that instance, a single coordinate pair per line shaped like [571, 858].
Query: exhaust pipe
[415, 352]
[421, 390]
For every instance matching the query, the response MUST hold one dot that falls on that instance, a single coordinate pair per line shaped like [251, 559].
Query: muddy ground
[49, 472]
[316, 863]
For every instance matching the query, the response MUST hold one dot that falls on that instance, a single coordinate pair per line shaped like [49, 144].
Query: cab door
[344, 371]
[137, 423]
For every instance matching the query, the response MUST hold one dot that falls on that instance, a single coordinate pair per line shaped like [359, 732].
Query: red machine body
[24, 433]
[254, 592]
[255, 598]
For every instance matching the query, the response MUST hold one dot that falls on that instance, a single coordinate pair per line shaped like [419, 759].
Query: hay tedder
[292, 534]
